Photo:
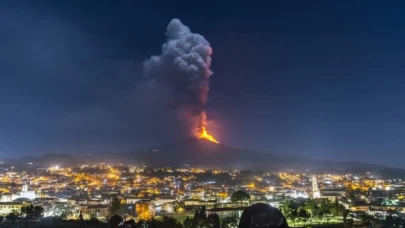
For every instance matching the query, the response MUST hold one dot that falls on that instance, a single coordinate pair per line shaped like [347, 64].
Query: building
[359, 207]
[144, 210]
[316, 193]
[226, 212]
[132, 200]
[163, 200]
[26, 193]
[189, 203]
[100, 211]
[341, 192]
[330, 196]
[128, 209]
[7, 197]
[7, 207]
[168, 208]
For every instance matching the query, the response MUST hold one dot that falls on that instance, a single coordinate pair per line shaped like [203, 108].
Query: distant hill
[46, 159]
[201, 152]
[193, 151]
[204, 153]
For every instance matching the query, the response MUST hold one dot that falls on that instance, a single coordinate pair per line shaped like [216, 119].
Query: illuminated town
[139, 194]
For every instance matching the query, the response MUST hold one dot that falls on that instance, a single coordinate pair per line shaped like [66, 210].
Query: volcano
[193, 151]
[199, 152]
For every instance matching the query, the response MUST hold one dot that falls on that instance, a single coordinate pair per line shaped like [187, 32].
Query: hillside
[46, 160]
[203, 153]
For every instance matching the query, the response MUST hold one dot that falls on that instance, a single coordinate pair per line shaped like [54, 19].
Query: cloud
[177, 79]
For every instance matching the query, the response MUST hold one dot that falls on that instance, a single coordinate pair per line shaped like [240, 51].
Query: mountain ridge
[206, 154]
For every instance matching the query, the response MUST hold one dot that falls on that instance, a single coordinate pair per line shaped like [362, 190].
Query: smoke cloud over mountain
[176, 81]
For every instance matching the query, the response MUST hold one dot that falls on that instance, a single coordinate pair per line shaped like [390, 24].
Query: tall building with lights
[316, 193]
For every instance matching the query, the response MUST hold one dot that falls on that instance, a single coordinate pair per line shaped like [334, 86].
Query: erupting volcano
[201, 132]
[205, 135]
[179, 77]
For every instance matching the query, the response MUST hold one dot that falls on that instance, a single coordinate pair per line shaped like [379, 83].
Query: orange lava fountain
[202, 132]
[205, 135]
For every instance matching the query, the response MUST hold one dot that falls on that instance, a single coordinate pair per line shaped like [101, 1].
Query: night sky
[322, 79]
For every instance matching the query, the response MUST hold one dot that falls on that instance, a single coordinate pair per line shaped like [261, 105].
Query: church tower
[315, 189]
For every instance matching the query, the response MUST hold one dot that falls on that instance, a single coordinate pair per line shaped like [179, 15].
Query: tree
[213, 221]
[131, 222]
[240, 196]
[31, 211]
[115, 206]
[28, 211]
[202, 212]
[303, 214]
[160, 222]
[289, 209]
[94, 220]
[93, 216]
[325, 207]
[115, 221]
[312, 206]
[62, 216]
[38, 211]
[200, 220]
[345, 214]
[337, 209]
[188, 222]
[167, 222]
[229, 222]
[13, 216]
[389, 221]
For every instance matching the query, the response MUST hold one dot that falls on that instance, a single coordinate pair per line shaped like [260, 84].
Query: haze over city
[320, 80]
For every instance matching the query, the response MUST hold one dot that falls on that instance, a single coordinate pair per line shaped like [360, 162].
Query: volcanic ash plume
[184, 69]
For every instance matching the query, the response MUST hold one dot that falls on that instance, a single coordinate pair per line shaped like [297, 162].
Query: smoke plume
[178, 77]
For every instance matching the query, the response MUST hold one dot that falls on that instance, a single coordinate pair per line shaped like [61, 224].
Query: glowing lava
[205, 135]
[201, 132]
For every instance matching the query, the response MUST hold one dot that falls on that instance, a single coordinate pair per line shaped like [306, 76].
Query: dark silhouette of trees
[290, 209]
[38, 212]
[345, 214]
[62, 216]
[213, 221]
[303, 215]
[13, 216]
[319, 209]
[115, 221]
[312, 206]
[115, 206]
[31, 211]
[229, 222]
[27, 210]
[200, 220]
[240, 196]
[131, 222]
[161, 222]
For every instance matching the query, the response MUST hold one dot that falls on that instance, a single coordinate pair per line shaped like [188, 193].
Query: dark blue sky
[317, 78]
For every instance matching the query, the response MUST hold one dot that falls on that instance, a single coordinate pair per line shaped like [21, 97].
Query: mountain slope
[46, 159]
[204, 153]
[190, 151]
